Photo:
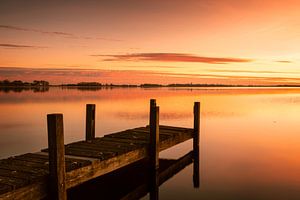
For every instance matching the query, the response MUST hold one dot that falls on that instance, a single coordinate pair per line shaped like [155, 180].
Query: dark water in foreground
[250, 137]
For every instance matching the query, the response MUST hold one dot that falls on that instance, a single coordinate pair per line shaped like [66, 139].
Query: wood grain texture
[84, 160]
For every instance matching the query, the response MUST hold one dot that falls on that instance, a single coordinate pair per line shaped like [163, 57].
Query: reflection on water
[250, 138]
[133, 181]
[22, 89]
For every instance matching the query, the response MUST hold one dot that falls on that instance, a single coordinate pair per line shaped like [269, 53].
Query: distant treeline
[97, 85]
[18, 83]
[20, 86]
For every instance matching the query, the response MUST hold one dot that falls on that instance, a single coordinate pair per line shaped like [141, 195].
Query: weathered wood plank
[88, 153]
[5, 188]
[17, 174]
[25, 169]
[70, 163]
[125, 140]
[32, 191]
[130, 147]
[22, 163]
[13, 182]
[98, 168]
[112, 144]
[95, 147]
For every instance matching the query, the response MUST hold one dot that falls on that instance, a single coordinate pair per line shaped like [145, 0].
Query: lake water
[249, 143]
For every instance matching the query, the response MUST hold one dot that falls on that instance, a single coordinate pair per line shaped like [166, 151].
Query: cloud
[283, 61]
[172, 57]
[63, 75]
[20, 46]
[251, 71]
[56, 33]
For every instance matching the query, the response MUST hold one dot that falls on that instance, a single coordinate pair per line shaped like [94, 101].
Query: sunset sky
[143, 41]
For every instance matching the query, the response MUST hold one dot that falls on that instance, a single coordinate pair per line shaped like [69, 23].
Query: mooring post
[154, 137]
[57, 171]
[90, 122]
[152, 104]
[196, 139]
[154, 149]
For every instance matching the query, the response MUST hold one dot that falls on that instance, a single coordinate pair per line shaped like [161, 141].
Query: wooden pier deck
[52, 171]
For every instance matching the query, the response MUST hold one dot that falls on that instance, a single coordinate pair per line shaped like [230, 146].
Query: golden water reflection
[250, 137]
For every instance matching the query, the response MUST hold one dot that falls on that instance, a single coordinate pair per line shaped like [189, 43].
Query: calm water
[250, 137]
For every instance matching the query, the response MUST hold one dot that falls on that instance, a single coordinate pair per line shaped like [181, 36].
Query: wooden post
[154, 138]
[57, 171]
[196, 140]
[152, 104]
[90, 122]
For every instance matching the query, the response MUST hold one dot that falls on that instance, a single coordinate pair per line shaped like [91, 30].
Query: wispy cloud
[252, 71]
[284, 61]
[14, 46]
[56, 33]
[172, 57]
[63, 75]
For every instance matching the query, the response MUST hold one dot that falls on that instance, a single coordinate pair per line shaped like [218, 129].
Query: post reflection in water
[196, 168]
[154, 184]
[133, 181]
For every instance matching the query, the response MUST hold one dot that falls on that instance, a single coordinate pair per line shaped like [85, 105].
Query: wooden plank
[124, 140]
[90, 122]
[88, 153]
[13, 182]
[4, 189]
[17, 174]
[38, 163]
[174, 128]
[162, 131]
[25, 169]
[110, 144]
[134, 149]
[95, 147]
[182, 137]
[71, 163]
[57, 169]
[29, 164]
[98, 168]
[32, 191]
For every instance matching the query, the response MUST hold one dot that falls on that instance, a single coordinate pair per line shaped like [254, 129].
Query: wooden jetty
[49, 173]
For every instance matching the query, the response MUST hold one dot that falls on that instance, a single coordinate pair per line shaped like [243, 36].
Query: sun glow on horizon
[225, 41]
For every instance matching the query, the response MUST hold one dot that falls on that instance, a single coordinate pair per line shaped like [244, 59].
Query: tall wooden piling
[196, 140]
[154, 137]
[90, 122]
[196, 125]
[57, 171]
[152, 104]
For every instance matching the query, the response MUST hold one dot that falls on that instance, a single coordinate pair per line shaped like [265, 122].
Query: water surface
[250, 137]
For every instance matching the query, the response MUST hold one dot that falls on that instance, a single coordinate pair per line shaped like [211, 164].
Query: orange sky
[138, 41]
